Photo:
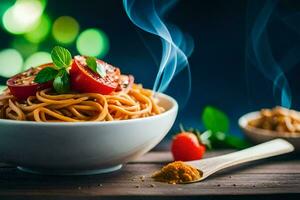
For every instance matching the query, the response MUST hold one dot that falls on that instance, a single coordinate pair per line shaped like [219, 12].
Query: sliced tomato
[22, 85]
[83, 79]
[125, 83]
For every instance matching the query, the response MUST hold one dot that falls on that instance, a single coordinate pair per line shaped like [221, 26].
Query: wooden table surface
[276, 177]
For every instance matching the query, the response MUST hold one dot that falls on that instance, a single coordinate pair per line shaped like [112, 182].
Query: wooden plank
[128, 182]
[219, 185]
[4, 165]
[279, 175]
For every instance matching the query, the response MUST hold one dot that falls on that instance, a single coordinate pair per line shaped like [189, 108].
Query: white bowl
[258, 135]
[83, 147]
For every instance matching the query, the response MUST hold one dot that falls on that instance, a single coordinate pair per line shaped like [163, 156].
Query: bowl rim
[173, 108]
[243, 124]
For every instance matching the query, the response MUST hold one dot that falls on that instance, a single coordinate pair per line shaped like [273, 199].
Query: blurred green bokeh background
[34, 32]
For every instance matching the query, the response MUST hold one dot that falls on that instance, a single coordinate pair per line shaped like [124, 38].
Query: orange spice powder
[177, 172]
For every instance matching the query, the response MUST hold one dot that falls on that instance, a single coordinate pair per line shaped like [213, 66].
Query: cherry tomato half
[22, 85]
[83, 79]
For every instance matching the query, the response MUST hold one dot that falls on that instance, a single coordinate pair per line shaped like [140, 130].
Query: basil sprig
[216, 134]
[62, 59]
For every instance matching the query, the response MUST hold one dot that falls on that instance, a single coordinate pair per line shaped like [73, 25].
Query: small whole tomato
[186, 146]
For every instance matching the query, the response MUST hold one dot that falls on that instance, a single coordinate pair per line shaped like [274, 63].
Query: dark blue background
[219, 75]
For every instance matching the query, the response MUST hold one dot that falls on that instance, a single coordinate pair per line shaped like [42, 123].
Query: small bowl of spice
[267, 124]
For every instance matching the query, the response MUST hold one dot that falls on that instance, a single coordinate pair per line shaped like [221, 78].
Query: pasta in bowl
[47, 106]
[79, 119]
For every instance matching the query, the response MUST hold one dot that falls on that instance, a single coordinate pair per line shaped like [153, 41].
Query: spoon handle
[268, 149]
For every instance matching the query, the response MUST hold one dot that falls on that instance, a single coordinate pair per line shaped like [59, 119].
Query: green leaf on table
[61, 82]
[226, 140]
[236, 142]
[220, 136]
[45, 75]
[215, 120]
[61, 57]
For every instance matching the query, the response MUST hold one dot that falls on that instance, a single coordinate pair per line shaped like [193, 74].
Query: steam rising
[260, 54]
[176, 46]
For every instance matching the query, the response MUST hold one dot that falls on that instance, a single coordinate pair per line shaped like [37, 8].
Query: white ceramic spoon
[268, 149]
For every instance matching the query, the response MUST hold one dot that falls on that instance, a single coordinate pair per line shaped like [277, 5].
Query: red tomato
[125, 83]
[186, 147]
[83, 79]
[22, 85]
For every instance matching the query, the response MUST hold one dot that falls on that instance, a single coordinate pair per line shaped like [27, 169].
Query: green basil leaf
[217, 140]
[45, 75]
[215, 120]
[220, 136]
[236, 142]
[61, 57]
[61, 82]
[101, 70]
[221, 140]
[92, 64]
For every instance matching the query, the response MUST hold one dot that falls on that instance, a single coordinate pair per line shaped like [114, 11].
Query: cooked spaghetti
[48, 106]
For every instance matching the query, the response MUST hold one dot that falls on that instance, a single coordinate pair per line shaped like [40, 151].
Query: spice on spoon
[177, 172]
